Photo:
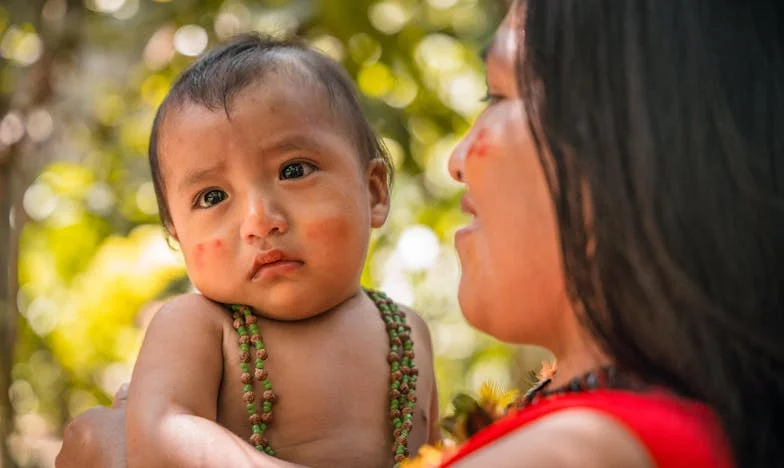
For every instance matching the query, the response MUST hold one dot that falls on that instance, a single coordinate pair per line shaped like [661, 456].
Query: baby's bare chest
[332, 389]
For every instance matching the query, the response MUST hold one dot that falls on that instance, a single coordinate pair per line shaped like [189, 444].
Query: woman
[627, 188]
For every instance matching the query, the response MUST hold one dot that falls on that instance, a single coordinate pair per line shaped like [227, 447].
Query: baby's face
[272, 205]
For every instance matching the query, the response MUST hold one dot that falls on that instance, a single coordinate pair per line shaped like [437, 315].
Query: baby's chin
[288, 302]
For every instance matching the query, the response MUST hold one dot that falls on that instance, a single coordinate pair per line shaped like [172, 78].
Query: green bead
[254, 328]
[257, 429]
[260, 448]
[269, 451]
[408, 345]
[404, 433]
[411, 405]
[267, 385]
[267, 406]
[398, 423]
[400, 450]
[395, 404]
[395, 385]
[393, 334]
[259, 364]
[244, 347]
[251, 408]
[395, 349]
[395, 366]
[244, 366]
[247, 388]
[259, 345]
[263, 427]
[242, 330]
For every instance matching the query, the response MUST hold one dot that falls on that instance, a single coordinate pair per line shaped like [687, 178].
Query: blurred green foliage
[79, 84]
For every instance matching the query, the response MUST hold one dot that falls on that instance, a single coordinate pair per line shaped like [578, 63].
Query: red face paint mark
[479, 146]
[217, 244]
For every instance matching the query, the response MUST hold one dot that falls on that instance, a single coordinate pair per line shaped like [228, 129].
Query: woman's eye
[296, 170]
[491, 98]
[211, 198]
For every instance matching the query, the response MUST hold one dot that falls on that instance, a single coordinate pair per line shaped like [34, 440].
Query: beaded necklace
[602, 377]
[402, 374]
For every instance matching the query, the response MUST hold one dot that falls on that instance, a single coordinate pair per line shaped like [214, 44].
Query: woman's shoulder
[604, 428]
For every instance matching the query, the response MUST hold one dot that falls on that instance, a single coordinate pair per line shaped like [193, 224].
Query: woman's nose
[457, 158]
[262, 219]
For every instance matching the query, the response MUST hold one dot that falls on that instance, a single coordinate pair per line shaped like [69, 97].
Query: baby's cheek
[205, 253]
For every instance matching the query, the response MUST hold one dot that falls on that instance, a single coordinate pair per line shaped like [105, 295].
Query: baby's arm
[172, 402]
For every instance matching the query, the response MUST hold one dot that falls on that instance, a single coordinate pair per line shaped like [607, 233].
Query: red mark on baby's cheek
[479, 146]
[203, 249]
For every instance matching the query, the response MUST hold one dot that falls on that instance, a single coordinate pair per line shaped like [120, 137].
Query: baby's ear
[377, 177]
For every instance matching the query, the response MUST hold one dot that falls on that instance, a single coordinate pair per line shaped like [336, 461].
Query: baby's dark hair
[214, 79]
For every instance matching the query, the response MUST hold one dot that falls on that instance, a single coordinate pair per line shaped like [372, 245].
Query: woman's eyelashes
[296, 170]
[210, 197]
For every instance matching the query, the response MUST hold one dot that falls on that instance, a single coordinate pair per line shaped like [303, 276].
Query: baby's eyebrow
[296, 142]
[193, 176]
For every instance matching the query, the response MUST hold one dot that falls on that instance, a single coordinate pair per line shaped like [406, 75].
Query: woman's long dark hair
[660, 124]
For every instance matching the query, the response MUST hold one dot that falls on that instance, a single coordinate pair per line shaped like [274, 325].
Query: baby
[270, 179]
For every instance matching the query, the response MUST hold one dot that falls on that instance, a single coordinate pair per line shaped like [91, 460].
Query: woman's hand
[96, 438]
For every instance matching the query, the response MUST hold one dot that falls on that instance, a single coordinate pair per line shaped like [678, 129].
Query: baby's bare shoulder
[195, 310]
[418, 326]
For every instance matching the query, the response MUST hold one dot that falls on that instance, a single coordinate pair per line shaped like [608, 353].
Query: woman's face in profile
[512, 280]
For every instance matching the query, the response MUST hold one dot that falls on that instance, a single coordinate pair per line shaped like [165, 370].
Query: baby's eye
[211, 198]
[296, 170]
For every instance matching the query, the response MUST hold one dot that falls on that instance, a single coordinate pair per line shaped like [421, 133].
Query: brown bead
[401, 440]
[250, 319]
[409, 354]
[266, 418]
[407, 425]
[245, 378]
[404, 388]
[244, 357]
[237, 323]
[257, 439]
[255, 338]
[260, 374]
[391, 326]
[248, 397]
[396, 433]
[255, 418]
[261, 354]
[268, 395]
[394, 414]
[393, 357]
[399, 457]
[412, 397]
[407, 411]
[236, 315]
[394, 394]
[413, 371]
[244, 339]
[395, 376]
[405, 452]
[396, 341]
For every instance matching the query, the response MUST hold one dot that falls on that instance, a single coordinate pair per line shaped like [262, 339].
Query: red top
[676, 432]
